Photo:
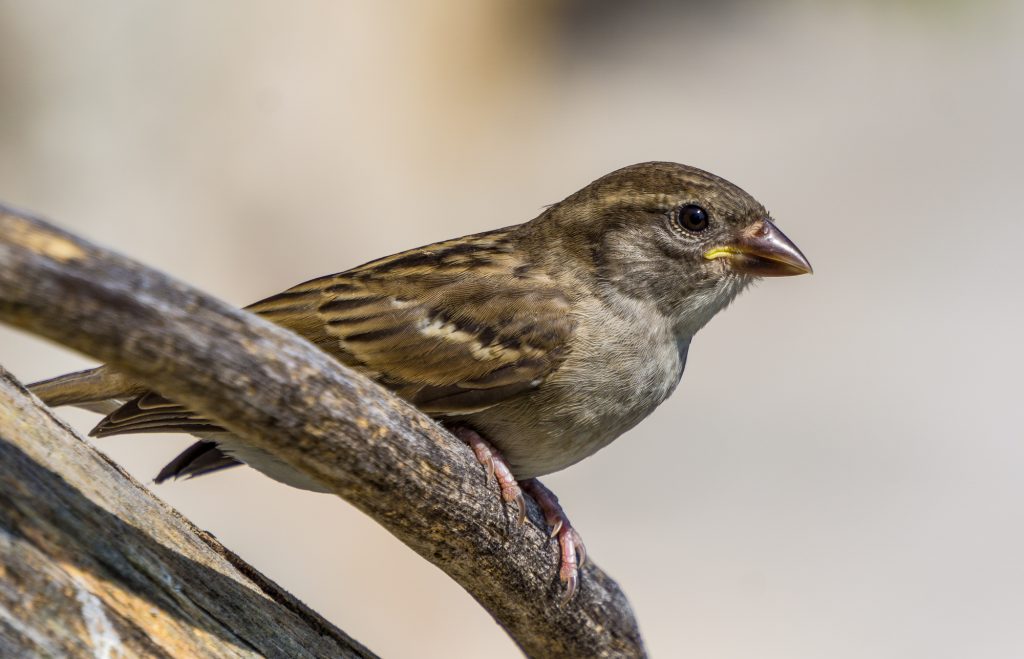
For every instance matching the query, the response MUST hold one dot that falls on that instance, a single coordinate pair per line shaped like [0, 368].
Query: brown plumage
[455, 328]
[549, 339]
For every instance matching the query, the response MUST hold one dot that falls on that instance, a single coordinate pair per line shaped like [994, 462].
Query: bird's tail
[104, 390]
[93, 389]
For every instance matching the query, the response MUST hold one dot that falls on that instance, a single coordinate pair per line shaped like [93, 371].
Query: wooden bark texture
[285, 396]
[92, 564]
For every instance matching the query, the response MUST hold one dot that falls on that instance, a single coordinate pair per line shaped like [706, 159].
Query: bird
[536, 344]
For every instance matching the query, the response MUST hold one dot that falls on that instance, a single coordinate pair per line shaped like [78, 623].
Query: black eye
[692, 218]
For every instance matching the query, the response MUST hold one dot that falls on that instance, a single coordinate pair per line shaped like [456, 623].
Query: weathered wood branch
[278, 391]
[92, 564]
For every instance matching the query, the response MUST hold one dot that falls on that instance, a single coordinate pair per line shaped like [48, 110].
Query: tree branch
[92, 564]
[284, 395]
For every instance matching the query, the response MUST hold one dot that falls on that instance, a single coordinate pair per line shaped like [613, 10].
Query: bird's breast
[618, 371]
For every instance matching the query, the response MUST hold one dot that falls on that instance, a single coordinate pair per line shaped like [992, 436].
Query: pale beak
[763, 251]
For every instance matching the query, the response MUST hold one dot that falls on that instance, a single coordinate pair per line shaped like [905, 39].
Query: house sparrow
[536, 344]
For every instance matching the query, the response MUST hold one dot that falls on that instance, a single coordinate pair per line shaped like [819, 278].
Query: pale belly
[264, 462]
[582, 409]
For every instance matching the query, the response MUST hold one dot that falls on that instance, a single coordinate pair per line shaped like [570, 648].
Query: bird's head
[674, 235]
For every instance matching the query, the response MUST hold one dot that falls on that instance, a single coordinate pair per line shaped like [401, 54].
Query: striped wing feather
[454, 328]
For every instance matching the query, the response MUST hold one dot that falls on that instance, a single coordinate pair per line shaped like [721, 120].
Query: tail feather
[201, 458]
[131, 408]
[151, 412]
[88, 388]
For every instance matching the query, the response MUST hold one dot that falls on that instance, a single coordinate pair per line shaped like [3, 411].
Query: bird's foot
[496, 468]
[572, 553]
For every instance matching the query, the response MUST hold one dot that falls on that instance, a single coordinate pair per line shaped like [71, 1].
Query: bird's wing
[454, 328]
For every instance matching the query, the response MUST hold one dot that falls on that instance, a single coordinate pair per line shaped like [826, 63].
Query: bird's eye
[692, 218]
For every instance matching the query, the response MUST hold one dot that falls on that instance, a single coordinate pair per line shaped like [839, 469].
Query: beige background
[840, 472]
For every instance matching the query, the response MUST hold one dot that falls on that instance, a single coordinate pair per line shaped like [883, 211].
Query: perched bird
[537, 344]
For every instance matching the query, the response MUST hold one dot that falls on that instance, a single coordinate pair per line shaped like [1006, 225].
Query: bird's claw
[571, 551]
[497, 469]
[572, 554]
[581, 549]
[510, 491]
[521, 502]
[481, 449]
[571, 583]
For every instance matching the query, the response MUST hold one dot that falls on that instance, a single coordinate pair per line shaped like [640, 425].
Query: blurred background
[839, 473]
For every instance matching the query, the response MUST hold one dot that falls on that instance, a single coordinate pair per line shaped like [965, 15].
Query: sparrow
[536, 344]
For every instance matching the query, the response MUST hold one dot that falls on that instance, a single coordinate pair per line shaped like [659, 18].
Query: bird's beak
[763, 251]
